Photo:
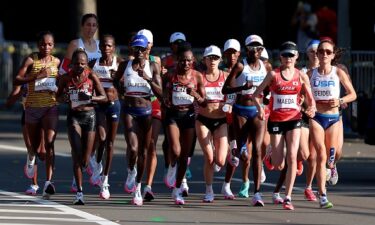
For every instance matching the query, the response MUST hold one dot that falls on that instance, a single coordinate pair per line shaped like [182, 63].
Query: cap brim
[290, 51]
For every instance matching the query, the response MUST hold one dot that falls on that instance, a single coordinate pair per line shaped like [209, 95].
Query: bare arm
[24, 76]
[306, 88]
[256, 96]
[229, 82]
[100, 96]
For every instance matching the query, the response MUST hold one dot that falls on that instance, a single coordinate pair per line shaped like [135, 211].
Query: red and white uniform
[284, 103]
[179, 97]
[85, 86]
[213, 88]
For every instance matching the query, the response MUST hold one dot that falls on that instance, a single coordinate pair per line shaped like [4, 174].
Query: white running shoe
[263, 175]
[216, 168]
[30, 167]
[32, 190]
[277, 199]
[148, 195]
[328, 174]
[92, 164]
[137, 197]
[177, 196]
[184, 188]
[78, 200]
[226, 191]
[73, 187]
[104, 191]
[130, 181]
[232, 159]
[95, 177]
[170, 178]
[209, 197]
[334, 176]
[257, 200]
[48, 190]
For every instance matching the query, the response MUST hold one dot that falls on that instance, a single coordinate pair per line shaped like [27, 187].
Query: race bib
[285, 102]
[45, 84]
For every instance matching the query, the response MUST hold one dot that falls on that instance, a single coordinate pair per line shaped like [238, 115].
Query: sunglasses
[213, 57]
[287, 55]
[327, 51]
[139, 49]
[255, 48]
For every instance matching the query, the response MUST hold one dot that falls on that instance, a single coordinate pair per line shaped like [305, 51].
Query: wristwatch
[341, 101]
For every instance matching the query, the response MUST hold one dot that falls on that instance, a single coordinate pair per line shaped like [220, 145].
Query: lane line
[66, 209]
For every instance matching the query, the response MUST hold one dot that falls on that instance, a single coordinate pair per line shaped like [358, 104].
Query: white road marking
[87, 217]
[23, 149]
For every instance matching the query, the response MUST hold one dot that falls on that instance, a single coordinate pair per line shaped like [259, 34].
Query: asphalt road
[353, 196]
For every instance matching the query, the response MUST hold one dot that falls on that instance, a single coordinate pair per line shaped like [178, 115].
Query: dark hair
[87, 16]
[41, 35]
[104, 36]
[183, 47]
[77, 52]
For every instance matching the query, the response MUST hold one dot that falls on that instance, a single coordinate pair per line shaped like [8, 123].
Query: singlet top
[41, 92]
[179, 96]
[249, 74]
[213, 88]
[104, 72]
[85, 86]
[325, 87]
[91, 55]
[136, 86]
[284, 103]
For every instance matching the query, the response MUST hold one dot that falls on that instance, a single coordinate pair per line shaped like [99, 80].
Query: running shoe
[331, 158]
[78, 200]
[209, 197]
[95, 177]
[188, 173]
[170, 178]
[244, 190]
[177, 196]
[130, 186]
[287, 204]
[267, 158]
[73, 187]
[309, 195]
[257, 200]
[244, 153]
[92, 164]
[104, 191]
[328, 174]
[334, 176]
[137, 197]
[30, 167]
[232, 159]
[225, 190]
[48, 190]
[148, 195]
[263, 175]
[277, 199]
[324, 203]
[184, 188]
[299, 168]
[216, 168]
[32, 190]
